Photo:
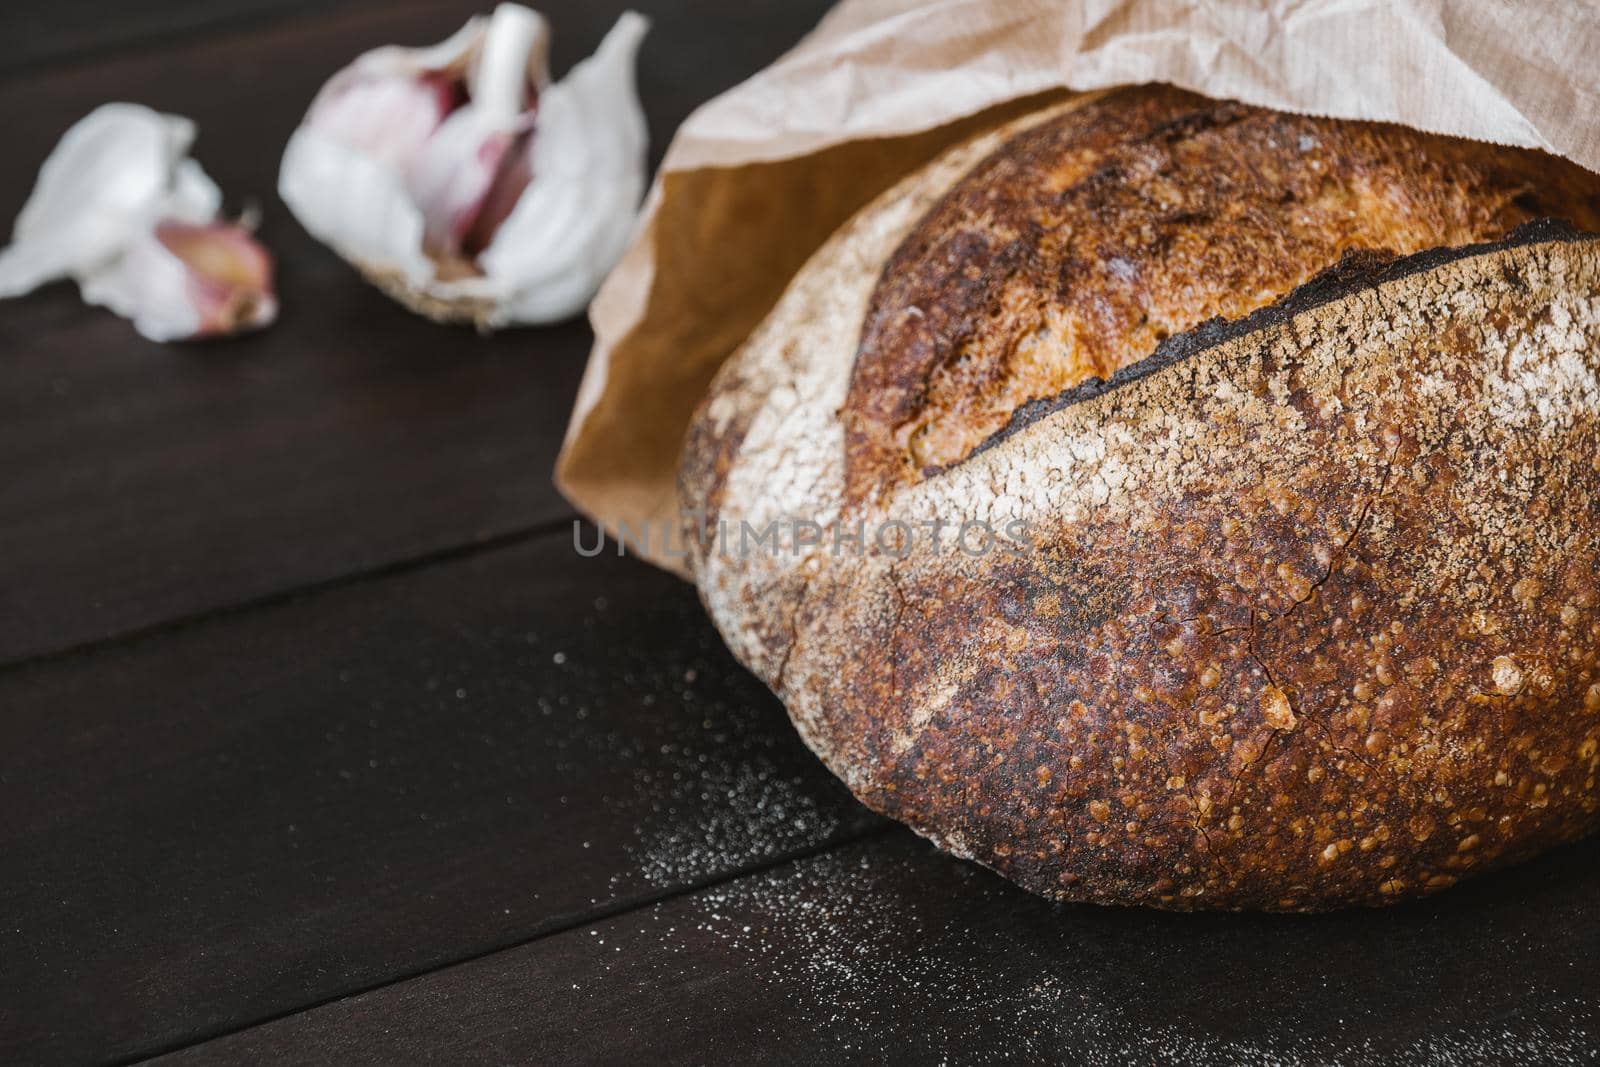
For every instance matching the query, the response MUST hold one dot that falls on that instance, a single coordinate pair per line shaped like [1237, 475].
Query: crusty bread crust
[1307, 614]
[1104, 229]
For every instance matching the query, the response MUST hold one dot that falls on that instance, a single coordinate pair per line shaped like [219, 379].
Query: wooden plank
[144, 483]
[212, 826]
[35, 34]
[888, 952]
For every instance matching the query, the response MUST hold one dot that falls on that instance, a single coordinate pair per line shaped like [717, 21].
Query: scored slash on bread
[1308, 612]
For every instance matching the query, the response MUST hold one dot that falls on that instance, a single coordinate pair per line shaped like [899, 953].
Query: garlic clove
[452, 178]
[573, 221]
[182, 280]
[510, 182]
[512, 64]
[452, 175]
[357, 204]
[119, 207]
[429, 223]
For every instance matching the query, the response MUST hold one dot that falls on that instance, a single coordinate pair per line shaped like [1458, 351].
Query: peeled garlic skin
[181, 281]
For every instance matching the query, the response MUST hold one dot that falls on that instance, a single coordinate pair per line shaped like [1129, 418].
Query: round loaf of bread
[1165, 501]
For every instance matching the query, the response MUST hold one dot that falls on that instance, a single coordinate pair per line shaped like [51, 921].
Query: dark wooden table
[318, 743]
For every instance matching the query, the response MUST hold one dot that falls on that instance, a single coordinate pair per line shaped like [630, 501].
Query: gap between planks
[114, 48]
[377, 572]
[588, 918]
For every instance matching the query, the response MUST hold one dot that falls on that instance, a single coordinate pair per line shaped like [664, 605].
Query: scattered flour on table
[854, 964]
[724, 791]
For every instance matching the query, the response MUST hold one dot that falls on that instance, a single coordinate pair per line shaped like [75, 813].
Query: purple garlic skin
[456, 172]
[227, 274]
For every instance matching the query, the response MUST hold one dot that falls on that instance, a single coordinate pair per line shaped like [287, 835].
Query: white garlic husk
[120, 208]
[464, 183]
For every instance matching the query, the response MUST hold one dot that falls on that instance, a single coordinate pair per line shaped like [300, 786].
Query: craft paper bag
[759, 177]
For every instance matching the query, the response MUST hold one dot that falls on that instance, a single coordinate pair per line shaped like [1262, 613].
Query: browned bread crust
[1302, 611]
[1094, 235]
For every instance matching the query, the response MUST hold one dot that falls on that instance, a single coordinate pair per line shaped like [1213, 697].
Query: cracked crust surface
[1301, 613]
[1098, 233]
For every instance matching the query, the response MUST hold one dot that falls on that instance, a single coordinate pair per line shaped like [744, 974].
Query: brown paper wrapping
[757, 179]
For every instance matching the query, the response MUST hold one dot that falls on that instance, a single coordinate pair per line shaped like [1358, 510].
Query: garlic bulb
[464, 183]
[120, 207]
